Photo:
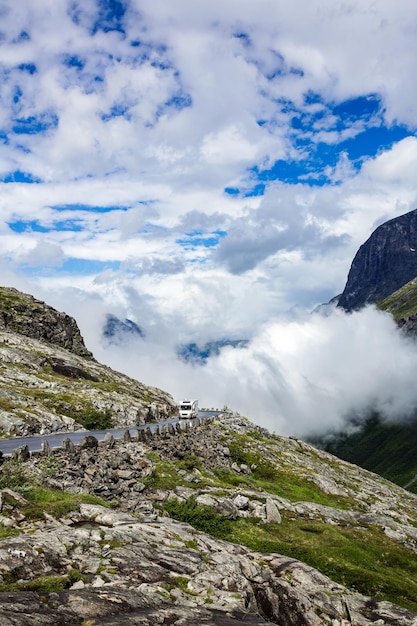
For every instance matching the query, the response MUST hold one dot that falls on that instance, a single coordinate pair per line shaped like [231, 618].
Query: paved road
[55, 441]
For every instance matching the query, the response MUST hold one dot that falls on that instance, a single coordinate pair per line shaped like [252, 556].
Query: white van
[188, 409]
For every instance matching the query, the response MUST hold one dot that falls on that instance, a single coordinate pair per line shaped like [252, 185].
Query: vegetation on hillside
[402, 303]
[358, 555]
[386, 448]
[361, 558]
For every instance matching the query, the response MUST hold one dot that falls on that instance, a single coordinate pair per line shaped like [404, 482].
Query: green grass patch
[5, 531]
[43, 584]
[179, 582]
[15, 475]
[40, 498]
[402, 303]
[202, 517]
[271, 477]
[53, 501]
[189, 462]
[93, 419]
[362, 559]
[165, 473]
[164, 476]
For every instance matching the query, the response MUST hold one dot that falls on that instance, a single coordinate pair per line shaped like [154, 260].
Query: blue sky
[207, 168]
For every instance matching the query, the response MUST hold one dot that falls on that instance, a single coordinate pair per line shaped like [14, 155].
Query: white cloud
[43, 253]
[394, 168]
[209, 96]
[298, 377]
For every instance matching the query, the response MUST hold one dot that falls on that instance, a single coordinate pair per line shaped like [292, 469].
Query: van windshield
[185, 407]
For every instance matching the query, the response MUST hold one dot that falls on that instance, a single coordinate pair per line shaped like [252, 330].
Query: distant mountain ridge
[199, 354]
[116, 330]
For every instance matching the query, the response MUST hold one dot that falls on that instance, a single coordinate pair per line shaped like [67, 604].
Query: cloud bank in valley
[210, 172]
[301, 376]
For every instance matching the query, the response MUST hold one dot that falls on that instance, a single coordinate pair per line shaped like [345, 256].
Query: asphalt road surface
[55, 440]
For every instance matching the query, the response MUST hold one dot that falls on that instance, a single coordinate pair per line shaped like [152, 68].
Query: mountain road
[55, 440]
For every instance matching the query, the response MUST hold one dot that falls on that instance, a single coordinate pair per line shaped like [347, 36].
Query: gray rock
[273, 516]
[138, 566]
[42, 350]
[383, 264]
[241, 502]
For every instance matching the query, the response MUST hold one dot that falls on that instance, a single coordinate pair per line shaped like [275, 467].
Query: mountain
[50, 381]
[383, 272]
[387, 448]
[118, 331]
[199, 354]
[383, 264]
[211, 522]
[214, 523]
[25, 315]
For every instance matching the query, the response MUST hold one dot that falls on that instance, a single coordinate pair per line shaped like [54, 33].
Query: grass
[362, 559]
[5, 531]
[92, 418]
[7, 405]
[43, 584]
[165, 473]
[274, 479]
[202, 517]
[40, 499]
[402, 303]
[189, 462]
[179, 582]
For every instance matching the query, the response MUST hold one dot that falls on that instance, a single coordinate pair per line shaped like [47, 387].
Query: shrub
[93, 419]
[204, 518]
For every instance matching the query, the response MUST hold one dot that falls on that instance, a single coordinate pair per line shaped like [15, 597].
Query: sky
[208, 171]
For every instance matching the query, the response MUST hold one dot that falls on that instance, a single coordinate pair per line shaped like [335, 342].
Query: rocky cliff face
[383, 264]
[185, 533]
[23, 314]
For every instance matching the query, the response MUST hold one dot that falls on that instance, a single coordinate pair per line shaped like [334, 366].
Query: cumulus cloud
[208, 171]
[44, 253]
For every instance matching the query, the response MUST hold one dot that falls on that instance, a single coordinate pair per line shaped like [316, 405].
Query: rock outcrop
[383, 264]
[45, 389]
[49, 380]
[133, 565]
[23, 314]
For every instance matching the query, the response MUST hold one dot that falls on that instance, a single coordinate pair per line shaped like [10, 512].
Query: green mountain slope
[385, 448]
[389, 449]
[402, 304]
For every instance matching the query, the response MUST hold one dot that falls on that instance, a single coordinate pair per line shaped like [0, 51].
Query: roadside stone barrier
[145, 434]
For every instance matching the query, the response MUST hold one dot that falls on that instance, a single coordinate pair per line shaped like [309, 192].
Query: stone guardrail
[145, 434]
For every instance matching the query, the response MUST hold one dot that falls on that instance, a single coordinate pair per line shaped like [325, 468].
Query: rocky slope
[204, 524]
[23, 314]
[49, 380]
[383, 264]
